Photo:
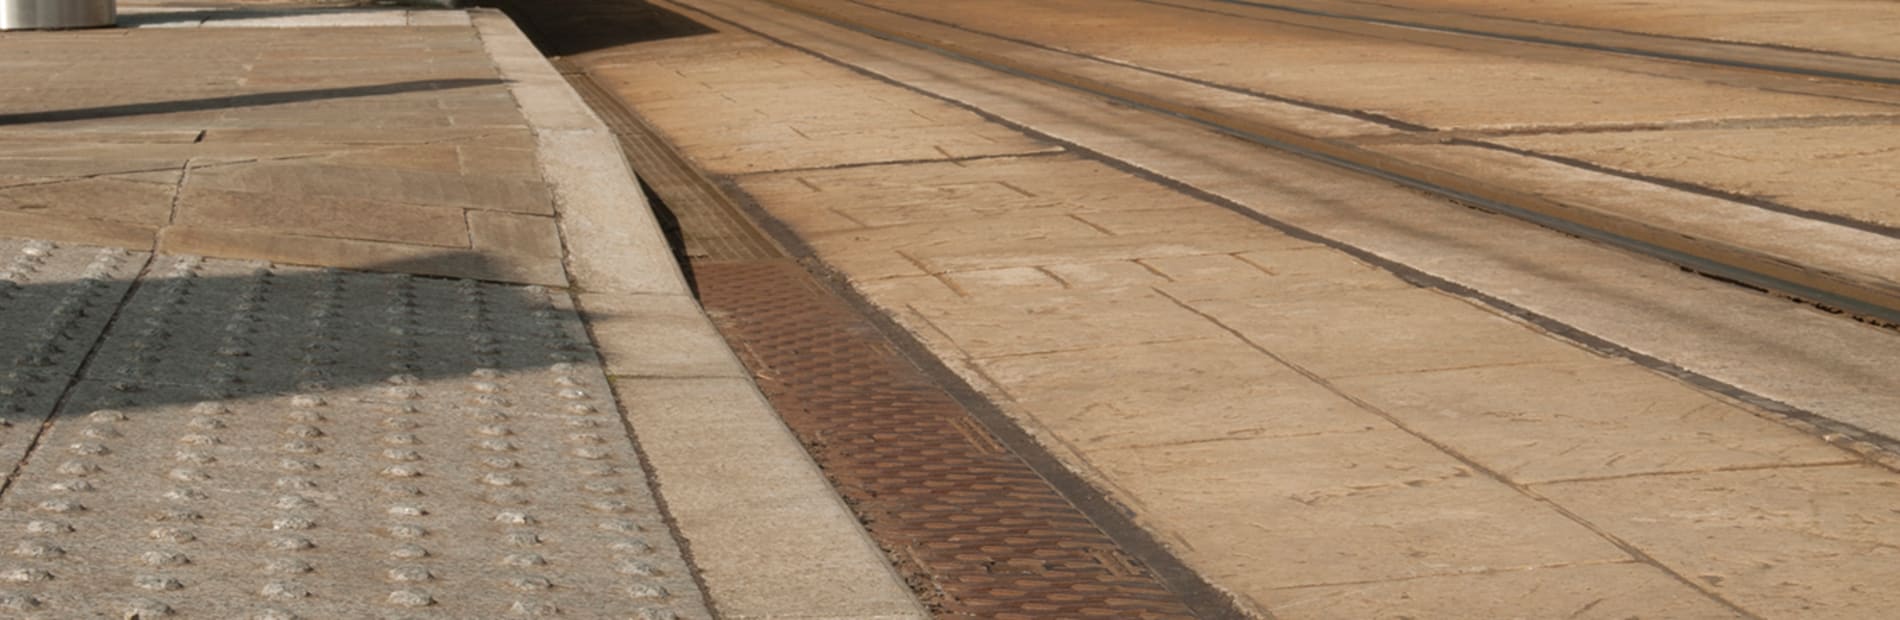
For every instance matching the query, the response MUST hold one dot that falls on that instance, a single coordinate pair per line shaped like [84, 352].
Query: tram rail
[1867, 297]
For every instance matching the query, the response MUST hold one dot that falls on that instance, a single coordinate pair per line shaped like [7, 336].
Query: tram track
[1764, 57]
[869, 436]
[1868, 297]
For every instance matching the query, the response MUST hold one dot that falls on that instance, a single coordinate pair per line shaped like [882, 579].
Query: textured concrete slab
[55, 300]
[253, 439]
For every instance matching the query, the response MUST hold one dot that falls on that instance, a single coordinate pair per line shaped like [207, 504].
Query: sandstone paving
[1431, 85]
[1595, 419]
[1066, 320]
[1844, 171]
[807, 94]
[1374, 332]
[1859, 27]
[1340, 508]
[1817, 542]
[301, 145]
[1171, 393]
[1614, 591]
[874, 196]
[1278, 451]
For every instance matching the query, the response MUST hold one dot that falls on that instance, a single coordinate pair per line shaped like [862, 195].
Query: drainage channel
[975, 516]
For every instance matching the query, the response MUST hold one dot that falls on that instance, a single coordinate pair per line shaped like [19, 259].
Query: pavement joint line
[1803, 420]
[79, 371]
[567, 128]
[1469, 462]
[1862, 293]
[901, 162]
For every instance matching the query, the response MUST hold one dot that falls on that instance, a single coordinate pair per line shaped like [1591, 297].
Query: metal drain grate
[973, 528]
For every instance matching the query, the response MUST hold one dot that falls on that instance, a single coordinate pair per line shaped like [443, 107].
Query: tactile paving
[975, 529]
[54, 301]
[260, 441]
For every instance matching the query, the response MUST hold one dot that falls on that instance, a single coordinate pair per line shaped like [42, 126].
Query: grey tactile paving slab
[54, 300]
[259, 441]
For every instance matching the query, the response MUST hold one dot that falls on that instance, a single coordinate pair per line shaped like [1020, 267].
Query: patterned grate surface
[973, 528]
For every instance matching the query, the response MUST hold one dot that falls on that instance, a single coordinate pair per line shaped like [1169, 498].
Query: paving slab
[1839, 171]
[299, 144]
[1339, 508]
[1806, 542]
[1856, 27]
[1357, 518]
[1596, 419]
[1603, 591]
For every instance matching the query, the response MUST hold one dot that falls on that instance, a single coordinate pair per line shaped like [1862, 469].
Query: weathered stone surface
[110, 199]
[1598, 419]
[1171, 393]
[1020, 325]
[1387, 331]
[1589, 591]
[94, 232]
[1820, 542]
[516, 235]
[1338, 508]
[322, 216]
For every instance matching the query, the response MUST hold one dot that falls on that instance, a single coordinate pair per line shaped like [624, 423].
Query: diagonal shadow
[239, 101]
[192, 330]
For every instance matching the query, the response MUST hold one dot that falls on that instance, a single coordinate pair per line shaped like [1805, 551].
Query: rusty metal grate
[973, 528]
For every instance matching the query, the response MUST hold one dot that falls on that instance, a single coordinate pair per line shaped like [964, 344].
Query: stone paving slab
[294, 144]
[1090, 341]
[1819, 542]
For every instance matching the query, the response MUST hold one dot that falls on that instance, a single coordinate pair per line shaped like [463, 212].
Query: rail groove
[1874, 301]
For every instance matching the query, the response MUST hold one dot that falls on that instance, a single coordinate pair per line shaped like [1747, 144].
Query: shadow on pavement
[196, 329]
[238, 101]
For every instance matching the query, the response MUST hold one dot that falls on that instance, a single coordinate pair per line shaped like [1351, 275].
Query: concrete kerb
[768, 535]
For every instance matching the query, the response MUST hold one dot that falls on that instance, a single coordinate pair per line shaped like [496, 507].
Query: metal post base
[56, 14]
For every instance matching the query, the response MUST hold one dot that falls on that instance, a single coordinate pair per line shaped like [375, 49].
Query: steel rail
[1792, 61]
[1870, 300]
